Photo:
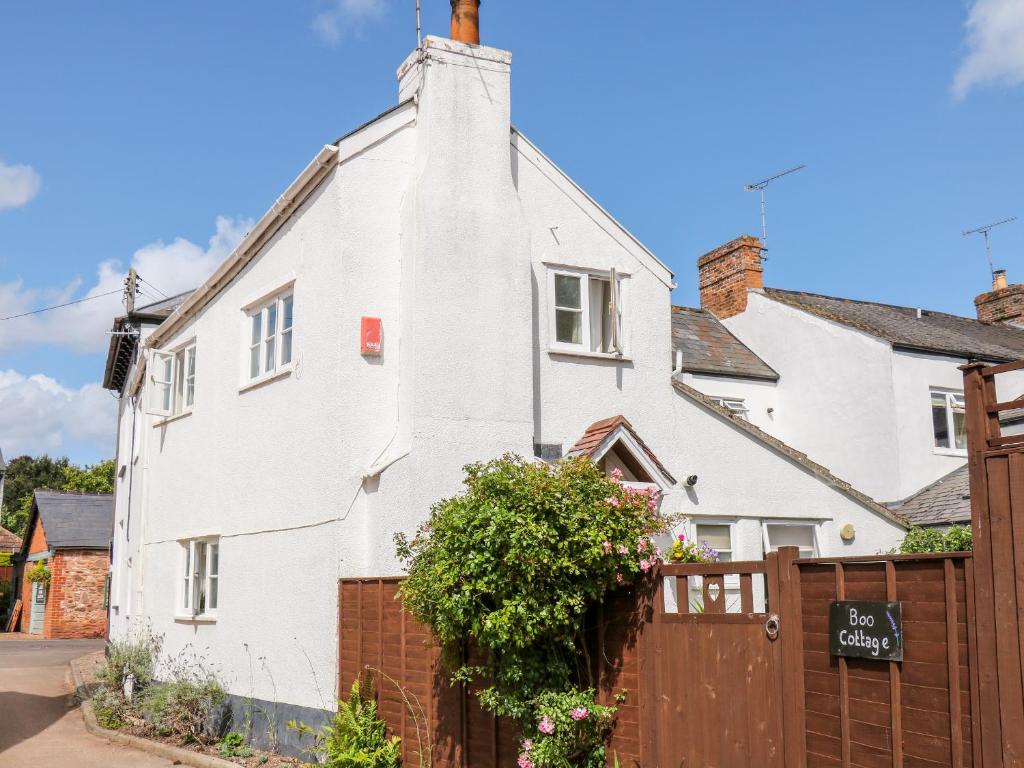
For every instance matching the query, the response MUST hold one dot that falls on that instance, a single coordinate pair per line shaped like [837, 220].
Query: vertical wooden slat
[844, 680]
[401, 650]
[341, 639]
[972, 661]
[794, 747]
[895, 689]
[746, 593]
[977, 424]
[956, 730]
[360, 629]
[380, 637]
[682, 594]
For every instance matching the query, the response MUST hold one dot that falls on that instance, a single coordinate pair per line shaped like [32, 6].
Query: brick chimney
[727, 273]
[1004, 303]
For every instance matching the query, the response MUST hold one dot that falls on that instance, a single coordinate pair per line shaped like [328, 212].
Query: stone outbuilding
[70, 534]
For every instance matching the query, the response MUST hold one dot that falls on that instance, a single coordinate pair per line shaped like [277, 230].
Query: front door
[35, 625]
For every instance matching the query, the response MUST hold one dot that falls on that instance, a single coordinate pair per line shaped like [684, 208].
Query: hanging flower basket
[40, 574]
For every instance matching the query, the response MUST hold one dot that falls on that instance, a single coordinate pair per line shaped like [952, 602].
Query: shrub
[233, 745]
[570, 729]
[182, 708]
[956, 539]
[135, 655]
[356, 737]
[513, 565]
[6, 558]
[40, 574]
[109, 708]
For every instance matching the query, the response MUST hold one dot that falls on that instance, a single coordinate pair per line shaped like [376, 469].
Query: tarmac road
[40, 724]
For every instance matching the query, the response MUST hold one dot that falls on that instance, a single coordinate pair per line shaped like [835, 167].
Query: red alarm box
[370, 336]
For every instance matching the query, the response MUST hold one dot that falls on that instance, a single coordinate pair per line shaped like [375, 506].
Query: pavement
[40, 723]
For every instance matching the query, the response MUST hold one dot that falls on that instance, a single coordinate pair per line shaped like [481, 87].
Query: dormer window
[586, 311]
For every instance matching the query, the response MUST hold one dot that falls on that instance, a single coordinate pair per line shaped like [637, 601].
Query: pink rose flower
[616, 474]
[607, 547]
[645, 566]
[579, 713]
[613, 501]
[527, 745]
[622, 549]
[618, 577]
[641, 547]
[546, 726]
[524, 761]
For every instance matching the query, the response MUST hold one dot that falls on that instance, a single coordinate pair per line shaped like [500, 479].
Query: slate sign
[866, 629]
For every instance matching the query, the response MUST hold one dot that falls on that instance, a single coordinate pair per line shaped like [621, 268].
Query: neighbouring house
[70, 534]
[430, 291]
[941, 504]
[871, 390]
[10, 544]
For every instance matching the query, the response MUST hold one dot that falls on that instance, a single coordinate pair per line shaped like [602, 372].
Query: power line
[144, 280]
[59, 306]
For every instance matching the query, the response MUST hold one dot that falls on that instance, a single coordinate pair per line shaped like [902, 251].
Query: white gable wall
[759, 395]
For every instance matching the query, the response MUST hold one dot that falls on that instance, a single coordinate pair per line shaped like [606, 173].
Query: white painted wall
[835, 396]
[759, 395]
[441, 221]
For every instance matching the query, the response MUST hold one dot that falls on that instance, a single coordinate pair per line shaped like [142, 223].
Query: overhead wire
[144, 280]
[60, 306]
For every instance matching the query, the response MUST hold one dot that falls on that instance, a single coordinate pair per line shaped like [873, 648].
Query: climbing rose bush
[511, 566]
[570, 729]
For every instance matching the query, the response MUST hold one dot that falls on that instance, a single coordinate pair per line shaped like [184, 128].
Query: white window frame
[731, 580]
[735, 405]
[190, 581]
[617, 281]
[814, 525]
[950, 395]
[272, 304]
[169, 380]
[692, 533]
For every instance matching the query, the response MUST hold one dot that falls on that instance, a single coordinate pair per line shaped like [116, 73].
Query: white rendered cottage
[430, 291]
[872, 390]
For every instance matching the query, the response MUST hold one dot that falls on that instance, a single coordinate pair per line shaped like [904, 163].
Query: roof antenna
[984, 232]
[419, 28]
[760, 185]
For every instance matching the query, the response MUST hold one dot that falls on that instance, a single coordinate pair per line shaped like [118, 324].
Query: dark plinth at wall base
[271, 717]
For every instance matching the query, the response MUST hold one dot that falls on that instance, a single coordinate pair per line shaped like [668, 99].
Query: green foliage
[40, 574]
[683, 551]
[233, 745]
[570, 729]
[135, 655]
[512, 566]
[109, 708]
[956, 539]
[6, 558]
[181, 708]
[356, 738]
[26, 475]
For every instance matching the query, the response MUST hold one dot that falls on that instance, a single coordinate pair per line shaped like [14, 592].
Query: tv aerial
[760, 187]
[983, 231]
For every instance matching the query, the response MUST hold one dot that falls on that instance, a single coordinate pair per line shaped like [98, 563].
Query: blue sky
[154, 133]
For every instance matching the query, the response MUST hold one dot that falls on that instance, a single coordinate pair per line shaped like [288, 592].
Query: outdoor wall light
[691, 480]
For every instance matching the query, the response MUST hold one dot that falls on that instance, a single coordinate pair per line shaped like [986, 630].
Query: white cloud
[995, 46]
[18, 185]
[172, 267]
[345, 17]
[39, 415]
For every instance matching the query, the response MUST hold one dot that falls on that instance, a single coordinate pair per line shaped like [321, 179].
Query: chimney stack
[1004, 303]
[727, 273]
[466, 21]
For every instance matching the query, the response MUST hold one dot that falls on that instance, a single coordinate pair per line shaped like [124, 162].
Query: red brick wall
[36, 543]
[74, 605]
[1001, 306]
[726, 273]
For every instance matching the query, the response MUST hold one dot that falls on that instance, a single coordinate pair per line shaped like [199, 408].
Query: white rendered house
[431, 291]
[873, 391]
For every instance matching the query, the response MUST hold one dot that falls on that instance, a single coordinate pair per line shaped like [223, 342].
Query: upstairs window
[200, 577]
[586, 312]
[270, 336]
[734, 404]
[172, 379]
[948, 420]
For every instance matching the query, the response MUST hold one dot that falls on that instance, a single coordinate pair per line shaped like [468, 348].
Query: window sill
[257, 383]
[176, 417]
[204, 618]
[591, 355]
[958, 452]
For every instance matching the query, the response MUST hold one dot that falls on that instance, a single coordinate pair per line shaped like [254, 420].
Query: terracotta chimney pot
[998, 279]
[466, 21]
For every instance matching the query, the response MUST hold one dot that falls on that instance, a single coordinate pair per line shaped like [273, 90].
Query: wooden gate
[714, 667]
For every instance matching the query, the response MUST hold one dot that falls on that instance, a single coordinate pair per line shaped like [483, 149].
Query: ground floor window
[800, 535]
[200, 576]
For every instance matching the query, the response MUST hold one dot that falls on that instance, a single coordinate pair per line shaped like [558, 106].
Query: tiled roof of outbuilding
[9, 542]
[910, 328]
[944, 502]
[709, 347]
[595, 435]
[76, 520]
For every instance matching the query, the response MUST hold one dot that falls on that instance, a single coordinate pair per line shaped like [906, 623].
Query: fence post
[792, 667]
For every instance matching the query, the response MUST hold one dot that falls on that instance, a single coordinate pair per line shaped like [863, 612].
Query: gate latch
[771, 627]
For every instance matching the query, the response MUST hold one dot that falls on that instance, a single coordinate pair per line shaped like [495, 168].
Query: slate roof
[124, 340]
[597, 433]
[709, 347]
[9, 542]
[819, 470]
[76, 520]
[944, 502]
[903, 328]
